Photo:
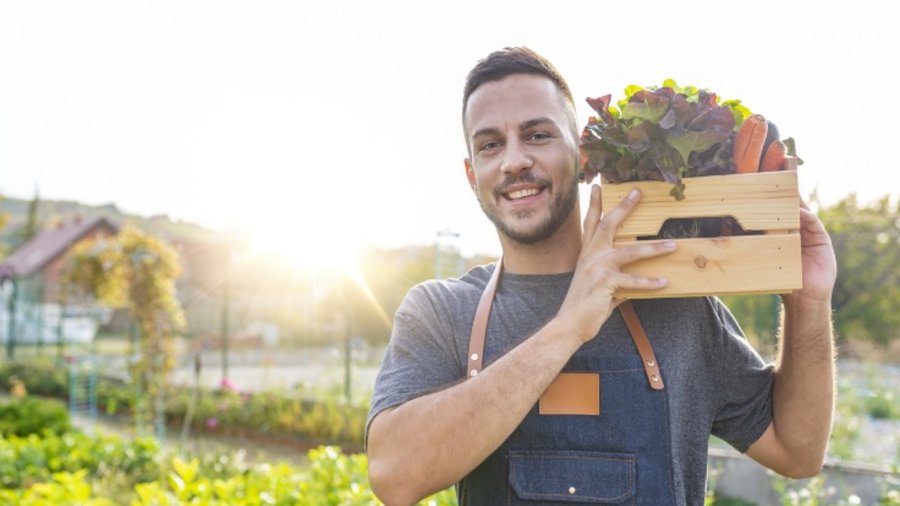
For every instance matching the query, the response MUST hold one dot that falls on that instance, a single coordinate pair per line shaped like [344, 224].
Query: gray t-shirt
[717, 384]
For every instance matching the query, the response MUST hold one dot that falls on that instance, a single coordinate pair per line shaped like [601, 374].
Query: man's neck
[557, 254]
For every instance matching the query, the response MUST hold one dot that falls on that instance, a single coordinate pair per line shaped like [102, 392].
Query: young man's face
[523, 156]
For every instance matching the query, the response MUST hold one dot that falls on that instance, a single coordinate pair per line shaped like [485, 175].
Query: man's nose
[516, 159]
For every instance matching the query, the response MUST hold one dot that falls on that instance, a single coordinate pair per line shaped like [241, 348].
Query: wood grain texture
[725, 265]
[743, 264]
[761, 201]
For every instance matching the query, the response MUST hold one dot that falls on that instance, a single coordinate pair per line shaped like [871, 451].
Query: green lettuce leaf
[661, 133]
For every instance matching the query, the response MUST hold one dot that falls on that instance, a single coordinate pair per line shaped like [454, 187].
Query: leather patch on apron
[572, 393]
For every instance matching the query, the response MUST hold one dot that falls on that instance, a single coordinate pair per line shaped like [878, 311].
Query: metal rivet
[571, 490]
[651, 363]
[654, 377]
[473, 372]
[474, 356]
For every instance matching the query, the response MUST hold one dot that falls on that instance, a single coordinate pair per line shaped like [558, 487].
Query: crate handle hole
[699, 227]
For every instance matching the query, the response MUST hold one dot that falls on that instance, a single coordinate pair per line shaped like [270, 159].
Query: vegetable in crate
[671, 132]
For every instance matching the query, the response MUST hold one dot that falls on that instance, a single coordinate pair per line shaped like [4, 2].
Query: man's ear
[470, 174]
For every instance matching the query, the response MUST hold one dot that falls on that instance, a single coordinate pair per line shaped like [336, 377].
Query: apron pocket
[572, 476]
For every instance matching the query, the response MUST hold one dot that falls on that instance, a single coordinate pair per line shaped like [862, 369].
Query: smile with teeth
[521, 194]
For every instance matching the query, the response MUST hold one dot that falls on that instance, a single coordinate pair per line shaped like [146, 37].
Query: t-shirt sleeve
[744, 386]
[421, 357]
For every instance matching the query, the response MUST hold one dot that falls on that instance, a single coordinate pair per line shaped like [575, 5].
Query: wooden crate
[741, 264]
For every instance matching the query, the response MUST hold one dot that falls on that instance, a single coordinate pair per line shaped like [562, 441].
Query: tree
[30, 228]
[31, 221]
[135, 271]
[866, 240]
[866, 298]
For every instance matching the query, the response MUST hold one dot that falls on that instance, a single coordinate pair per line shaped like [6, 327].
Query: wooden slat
[726, 265]
[762, 201]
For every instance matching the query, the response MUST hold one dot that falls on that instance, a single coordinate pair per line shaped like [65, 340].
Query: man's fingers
[635, 282]
[610, 221]
[627, 254]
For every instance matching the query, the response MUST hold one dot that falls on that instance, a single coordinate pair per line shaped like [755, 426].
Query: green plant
[847, 422]
[890, 498]
[661, 133]
[321, 415]
[22, 417]
[136, 271]
[78, 470]
[66, 489]
[810, 494]
[731, 501]
[40, 376]
[882, 405]
[34, 459]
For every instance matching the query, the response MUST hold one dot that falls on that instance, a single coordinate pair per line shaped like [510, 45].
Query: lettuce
[661, 133]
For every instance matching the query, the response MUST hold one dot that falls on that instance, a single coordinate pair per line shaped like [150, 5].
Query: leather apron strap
[648, 359]
[479, 326]
[479, 333]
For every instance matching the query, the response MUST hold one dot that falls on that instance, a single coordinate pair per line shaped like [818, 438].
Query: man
[436, 422]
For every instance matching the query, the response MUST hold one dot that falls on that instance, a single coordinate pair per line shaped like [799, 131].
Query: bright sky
[337, 123]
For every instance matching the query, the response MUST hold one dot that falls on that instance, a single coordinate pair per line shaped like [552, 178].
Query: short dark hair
[510, 61]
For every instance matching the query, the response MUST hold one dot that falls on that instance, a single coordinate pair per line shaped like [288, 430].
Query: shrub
[33, 459]
[320, 416]
[22, 417]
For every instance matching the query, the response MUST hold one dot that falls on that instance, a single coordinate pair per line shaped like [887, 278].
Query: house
[30, 282]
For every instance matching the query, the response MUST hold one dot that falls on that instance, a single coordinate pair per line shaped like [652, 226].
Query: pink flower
[227, 384]
[212, 423]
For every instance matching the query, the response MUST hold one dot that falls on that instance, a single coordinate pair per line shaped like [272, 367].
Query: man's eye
[489, 145]
[539, 136]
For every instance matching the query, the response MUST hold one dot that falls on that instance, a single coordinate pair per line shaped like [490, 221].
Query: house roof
[45, 247]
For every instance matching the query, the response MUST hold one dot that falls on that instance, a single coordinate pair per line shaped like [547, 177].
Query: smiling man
[528, 383]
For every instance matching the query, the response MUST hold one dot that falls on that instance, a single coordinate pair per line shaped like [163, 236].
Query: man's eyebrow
[485, 131]
[525, 125]
[535, 122]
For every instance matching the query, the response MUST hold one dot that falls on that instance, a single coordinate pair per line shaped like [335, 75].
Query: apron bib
[621, 456]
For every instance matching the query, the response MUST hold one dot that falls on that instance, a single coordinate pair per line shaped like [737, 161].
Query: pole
[225, 329]
[437, 257]
[347, 364]
[92, 391]
[195, 396]
[42, 315]
[59, 333]
[159, 405]
[11, 329]
[442, 248]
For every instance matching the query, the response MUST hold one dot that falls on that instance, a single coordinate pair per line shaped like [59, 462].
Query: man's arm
[803, 394]
[432, 442]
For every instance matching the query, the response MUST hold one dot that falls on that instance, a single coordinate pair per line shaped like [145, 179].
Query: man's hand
[818, 261]
[598, 273]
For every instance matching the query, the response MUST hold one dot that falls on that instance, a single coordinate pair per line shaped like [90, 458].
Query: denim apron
[621, 456]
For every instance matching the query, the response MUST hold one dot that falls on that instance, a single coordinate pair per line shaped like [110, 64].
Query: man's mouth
[521, 194]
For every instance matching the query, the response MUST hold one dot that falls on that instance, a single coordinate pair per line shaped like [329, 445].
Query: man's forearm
[804, 381]
[431, 442]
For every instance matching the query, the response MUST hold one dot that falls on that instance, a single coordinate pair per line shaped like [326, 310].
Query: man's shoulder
[454, 292]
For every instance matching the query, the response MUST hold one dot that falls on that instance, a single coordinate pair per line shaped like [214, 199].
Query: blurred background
[209, 212]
